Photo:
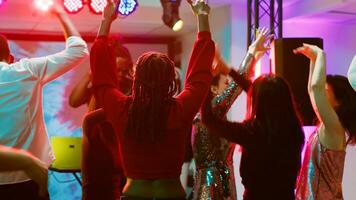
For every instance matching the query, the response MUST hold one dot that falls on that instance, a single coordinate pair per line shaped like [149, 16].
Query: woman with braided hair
[151, 124]
[154, 89]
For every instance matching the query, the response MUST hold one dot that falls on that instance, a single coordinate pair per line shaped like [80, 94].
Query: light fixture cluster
[170, 15]
[126, 7]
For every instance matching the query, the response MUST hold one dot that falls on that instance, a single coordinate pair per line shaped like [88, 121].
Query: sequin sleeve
[239, 133]
[222, 103]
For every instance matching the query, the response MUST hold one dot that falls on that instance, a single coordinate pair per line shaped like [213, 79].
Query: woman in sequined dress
[214, 177]
[271, 139]
[334, 102]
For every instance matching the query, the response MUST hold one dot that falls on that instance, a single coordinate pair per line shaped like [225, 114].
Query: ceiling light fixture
[171, 14]
[43, 5]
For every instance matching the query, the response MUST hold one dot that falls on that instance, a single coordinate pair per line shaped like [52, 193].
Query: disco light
[97, 6]
[73, 6]
[43, 5]
[2, 2]
[127, 7]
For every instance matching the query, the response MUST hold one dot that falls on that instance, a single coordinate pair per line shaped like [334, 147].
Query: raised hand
[109, 15]
[310, 51]
[110, 12]
[258, 48]
[199, 7]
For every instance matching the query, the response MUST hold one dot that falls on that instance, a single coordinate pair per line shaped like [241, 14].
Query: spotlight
[171, 14]
[43, 5]
[2, 2]
[127, 7]
[73, 6]
[97, 6]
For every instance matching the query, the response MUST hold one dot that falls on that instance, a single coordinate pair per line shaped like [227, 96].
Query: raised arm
[68, 27]
[332, 132]
[198, 76]
[81, 93]
[50, 67]
[243, 77]
[352, 73]
[222, 103]
[233, 131]
[256, 51]
[103, 64]
[13, 159]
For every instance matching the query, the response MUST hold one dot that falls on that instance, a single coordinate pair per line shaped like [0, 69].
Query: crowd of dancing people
[135, 132]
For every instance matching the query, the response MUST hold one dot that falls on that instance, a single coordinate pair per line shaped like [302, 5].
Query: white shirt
[21, 118]
[352, 73]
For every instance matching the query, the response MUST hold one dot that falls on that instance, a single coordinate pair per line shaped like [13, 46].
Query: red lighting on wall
[73, 6]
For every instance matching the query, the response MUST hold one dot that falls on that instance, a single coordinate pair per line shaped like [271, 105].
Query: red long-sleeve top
[145, 159]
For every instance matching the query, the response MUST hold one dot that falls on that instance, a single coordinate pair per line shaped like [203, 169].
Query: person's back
[269, 167]
[271, 139]
[102, 174]
[22, 122]
[152, 124]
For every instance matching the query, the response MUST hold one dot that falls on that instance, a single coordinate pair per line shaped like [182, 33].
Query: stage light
[171, 14]
[97, 6]
[2, 2]
[73, 6]
[44, 5]
[127, 7]
[178, 23]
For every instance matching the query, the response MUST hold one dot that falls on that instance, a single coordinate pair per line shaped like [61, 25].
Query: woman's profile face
[222, 85]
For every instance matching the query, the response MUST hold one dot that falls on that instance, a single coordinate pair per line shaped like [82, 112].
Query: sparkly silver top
[213, 155]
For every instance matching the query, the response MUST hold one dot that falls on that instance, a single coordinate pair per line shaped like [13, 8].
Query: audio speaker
[295, 70]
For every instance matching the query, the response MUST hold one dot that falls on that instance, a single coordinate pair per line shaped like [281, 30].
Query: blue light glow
[127, 7]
